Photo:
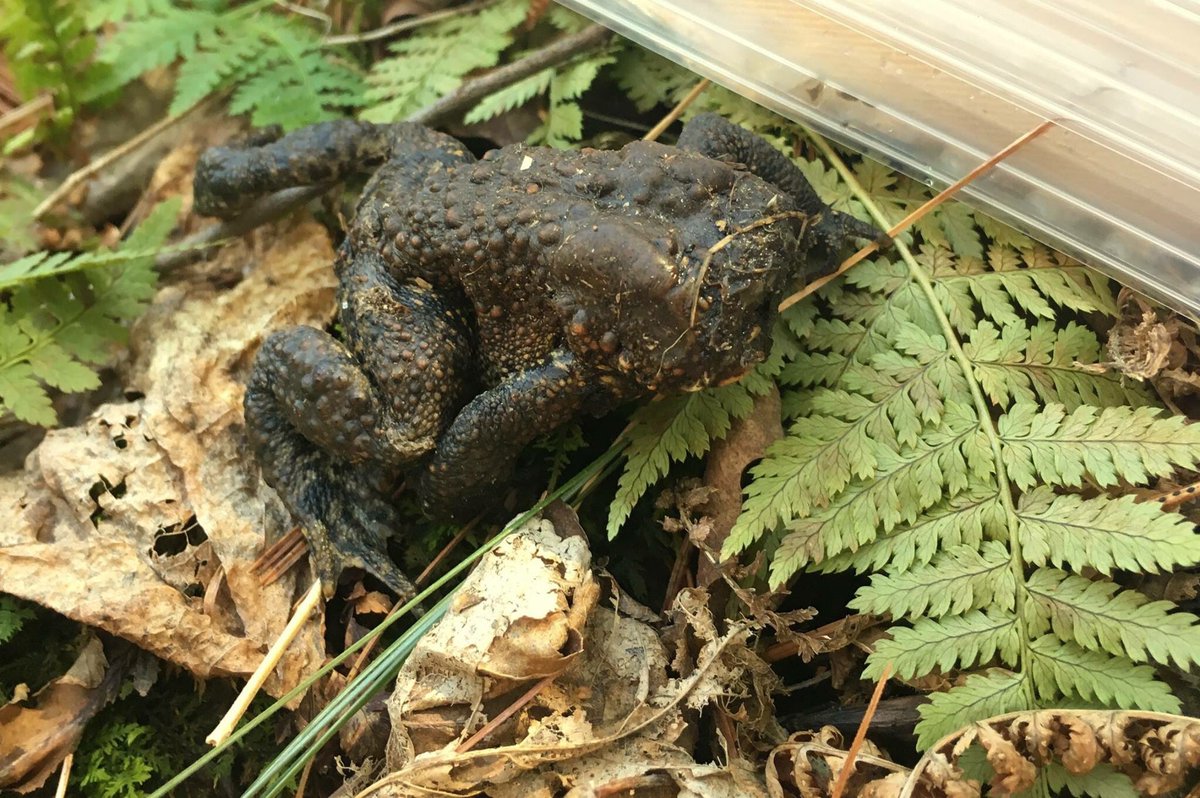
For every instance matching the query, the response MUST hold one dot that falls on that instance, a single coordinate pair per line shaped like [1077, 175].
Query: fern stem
[982, 411]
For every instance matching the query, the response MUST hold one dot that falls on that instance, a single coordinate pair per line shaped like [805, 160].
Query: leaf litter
[35, 739]
[144, 520]
[614, 711]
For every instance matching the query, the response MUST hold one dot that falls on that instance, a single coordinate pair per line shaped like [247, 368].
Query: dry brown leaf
[121, 523]
[517, 618]
[745, 443]
[554, 739]
[35, 739]
[1077, 747]
[1142, 347]
[809, 763]
[1013, 771]
[611, 720]
[635, 767]
[1157, 751]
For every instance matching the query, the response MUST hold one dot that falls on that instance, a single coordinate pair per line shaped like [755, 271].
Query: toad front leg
[476, 456]
[332, 424]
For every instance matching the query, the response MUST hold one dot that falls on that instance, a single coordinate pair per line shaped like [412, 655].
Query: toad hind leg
[230, 178]
[477, 454]
[717, 137]
[332, 424]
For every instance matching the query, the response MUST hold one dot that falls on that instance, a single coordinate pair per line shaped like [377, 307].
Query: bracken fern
[62, 314]
[433, 61]
[941, 417]
[276, 65]
[48, 51]
[941, 436]
[563, 85]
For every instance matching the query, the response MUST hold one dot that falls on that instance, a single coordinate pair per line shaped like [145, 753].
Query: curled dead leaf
[35, 739]
[611, 719]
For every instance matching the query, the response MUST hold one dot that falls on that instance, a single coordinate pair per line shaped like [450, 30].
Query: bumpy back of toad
[672, 282]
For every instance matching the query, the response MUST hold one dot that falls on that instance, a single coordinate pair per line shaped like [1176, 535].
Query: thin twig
[861, 734]
[64, 776]
[388, 31]
[970, 177]
[275, 561]
[508, 712]
[1179, 495]
[78, 177]
[449, 547]
[19, 114]
[259, 677]
[677, 111]
[325, 20]
[302, 784]
[920, 212]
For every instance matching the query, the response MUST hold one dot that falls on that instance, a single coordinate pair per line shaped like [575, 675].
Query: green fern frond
[293, 83]
[649, 80]
[13, 615]
[964, 520]
[563, 121]
[1039, 364]
[1031, 281]
[48, 264]
[433, 61]
[1107, 445]
[980, 696]
[510, 97]
[562, 124]
[1102, 781]
[61, 318]
[935, 404]
[280, 70]
[49, 51]
[1099, 616]
[905, 484]
[1058, 668]
[669, 431]
[1103, 534]
[105, 12]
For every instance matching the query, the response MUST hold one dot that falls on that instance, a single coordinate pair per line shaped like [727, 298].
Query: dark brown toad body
[485, 303]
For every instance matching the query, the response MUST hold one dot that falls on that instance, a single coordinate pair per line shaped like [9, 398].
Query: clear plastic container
[933, 87]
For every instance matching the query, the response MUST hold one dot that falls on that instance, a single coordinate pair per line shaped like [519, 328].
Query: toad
[483, 303]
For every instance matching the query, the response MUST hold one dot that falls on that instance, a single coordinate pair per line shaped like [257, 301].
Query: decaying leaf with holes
[144, 520]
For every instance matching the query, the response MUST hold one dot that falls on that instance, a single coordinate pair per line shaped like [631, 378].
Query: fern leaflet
[280, 70]
[48, 50]
[432, 62]
[62, 318]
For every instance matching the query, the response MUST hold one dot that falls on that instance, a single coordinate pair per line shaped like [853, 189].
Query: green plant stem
[982, 411]
[567, 488]
[338, 712]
